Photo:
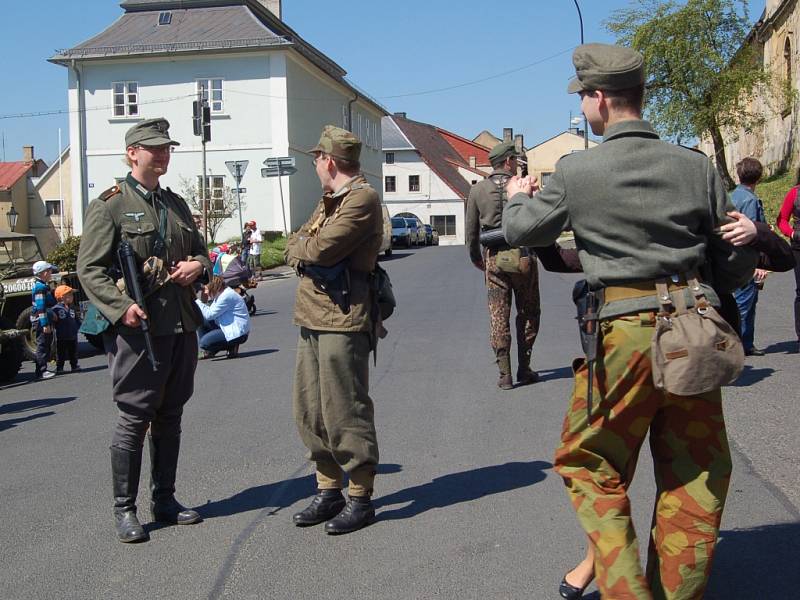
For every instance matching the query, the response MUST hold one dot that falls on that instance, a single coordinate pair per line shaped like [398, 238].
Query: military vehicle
[18, 252]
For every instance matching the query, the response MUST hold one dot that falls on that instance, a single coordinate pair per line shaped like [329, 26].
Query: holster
[588, 304]
[334, 281]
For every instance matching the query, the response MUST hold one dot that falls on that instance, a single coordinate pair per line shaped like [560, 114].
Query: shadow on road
[278, 495]
[551, 374]
[756, 563]
[395, 255]
[462, 487]
[10, 423]
[247, 354]
[788, 347]
[27, 405]
[751, 375]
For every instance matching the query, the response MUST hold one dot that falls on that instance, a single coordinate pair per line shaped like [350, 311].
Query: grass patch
[772, 190]
[272, 253]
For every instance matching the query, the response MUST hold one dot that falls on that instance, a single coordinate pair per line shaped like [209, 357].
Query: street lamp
[12, 216]
[585, 120]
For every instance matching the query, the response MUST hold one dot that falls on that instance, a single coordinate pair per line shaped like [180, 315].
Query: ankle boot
[357, 513]
[164, 464]
[504, 382]
[126, 467]
[525, 375]
[325, 505]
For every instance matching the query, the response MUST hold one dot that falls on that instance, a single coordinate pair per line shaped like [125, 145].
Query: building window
[211, 90]
[53, 207]
[126, 98]
[164, 18]
[444, 224]
[546, 178]
[413, 183]
[390, 158]
[215, 190]
[390, 184]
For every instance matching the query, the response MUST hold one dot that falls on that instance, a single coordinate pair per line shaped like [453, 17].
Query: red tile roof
[10, 173]
[466, 148]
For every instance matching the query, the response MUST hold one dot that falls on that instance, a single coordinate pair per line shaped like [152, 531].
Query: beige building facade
[776, 37]
[51, 207]
[543, 157]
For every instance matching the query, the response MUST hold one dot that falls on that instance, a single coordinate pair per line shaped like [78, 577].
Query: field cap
[151, 132]
[502, 151]
[62, 291]
[41, 266]
[338, 142]
[605, 67]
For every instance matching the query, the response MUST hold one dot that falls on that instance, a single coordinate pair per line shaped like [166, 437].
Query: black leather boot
[126, 467]
[525, 375]
[358, 512]
[164, 463]
[325, 505]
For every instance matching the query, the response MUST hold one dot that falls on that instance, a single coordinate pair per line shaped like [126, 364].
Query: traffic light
[201, 120]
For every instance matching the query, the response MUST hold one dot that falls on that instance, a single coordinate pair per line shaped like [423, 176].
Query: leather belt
[639, 289]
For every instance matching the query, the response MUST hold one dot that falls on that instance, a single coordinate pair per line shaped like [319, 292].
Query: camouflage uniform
[650, 224]
[484, 212]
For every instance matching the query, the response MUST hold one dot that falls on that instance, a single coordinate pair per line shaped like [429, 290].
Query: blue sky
[398, 52]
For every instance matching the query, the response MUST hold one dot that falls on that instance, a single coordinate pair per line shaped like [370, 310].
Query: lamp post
[12, 216]
[585, 120]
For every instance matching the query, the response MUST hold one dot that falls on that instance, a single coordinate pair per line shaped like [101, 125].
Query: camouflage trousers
[692, 467]
[525, 288]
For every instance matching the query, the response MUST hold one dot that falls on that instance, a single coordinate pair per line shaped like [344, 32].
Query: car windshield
[20, 252]
[411, 222]
[398, 222]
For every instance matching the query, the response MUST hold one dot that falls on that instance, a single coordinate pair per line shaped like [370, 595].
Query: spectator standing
[255, 248]
[789, 224]
[744, 199]
[67, 325]
[43, 301]
[248, 231]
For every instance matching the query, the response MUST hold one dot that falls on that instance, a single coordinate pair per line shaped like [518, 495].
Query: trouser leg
[62, 353]
[527, 301]
[797, 293]
[44, 343]
[498, 285]
[692, 466]
[746, 298]
[597, 460]
[73, 353]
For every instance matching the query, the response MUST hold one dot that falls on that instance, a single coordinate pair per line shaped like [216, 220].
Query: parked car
[417, 236]
[401, 233]
[428, 235]
[434, 236]
[386, 243]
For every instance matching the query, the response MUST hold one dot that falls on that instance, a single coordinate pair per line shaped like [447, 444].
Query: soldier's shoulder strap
[110, 193]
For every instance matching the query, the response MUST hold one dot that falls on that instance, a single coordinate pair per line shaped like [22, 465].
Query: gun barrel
[130, 273]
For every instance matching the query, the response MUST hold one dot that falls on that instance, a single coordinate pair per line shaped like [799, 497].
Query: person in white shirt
[226, 322]
[254, 259]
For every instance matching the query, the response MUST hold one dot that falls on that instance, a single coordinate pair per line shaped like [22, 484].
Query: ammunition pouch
[154, 275]
[334, 281]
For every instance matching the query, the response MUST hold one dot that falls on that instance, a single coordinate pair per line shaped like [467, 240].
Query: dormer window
[164, 18]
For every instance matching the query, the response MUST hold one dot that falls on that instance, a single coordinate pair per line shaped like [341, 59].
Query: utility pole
[201, 126]
[585, 120]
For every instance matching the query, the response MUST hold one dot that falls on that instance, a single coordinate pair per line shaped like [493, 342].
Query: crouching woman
[226, 323]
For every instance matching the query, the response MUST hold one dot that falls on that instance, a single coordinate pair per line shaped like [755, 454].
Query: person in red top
[789, 224]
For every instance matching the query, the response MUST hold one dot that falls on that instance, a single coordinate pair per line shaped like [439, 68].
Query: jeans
[213, 340]
[746, 299]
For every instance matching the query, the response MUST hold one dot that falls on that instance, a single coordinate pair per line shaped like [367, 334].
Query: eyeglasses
[165, 149]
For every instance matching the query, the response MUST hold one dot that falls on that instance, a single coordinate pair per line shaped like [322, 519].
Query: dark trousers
[148, 399]
[44, 343]
[797, 292]
[746, 300]
[213, 340]
[66, 350]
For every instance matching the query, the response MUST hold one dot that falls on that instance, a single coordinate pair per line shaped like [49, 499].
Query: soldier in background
[158, 224]
[484, 213]
[635, 221]
[332, 407]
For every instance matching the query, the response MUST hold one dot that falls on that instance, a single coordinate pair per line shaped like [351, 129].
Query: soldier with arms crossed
[158, 225]
[635, 222]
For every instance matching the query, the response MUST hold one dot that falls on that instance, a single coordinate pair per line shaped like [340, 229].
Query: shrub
[65, 256]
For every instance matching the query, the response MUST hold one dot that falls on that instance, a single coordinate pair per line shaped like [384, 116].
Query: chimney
[508, 133]
[518, 143]
[402, 115]
[27, 154]
[273, 6]
[472, 162]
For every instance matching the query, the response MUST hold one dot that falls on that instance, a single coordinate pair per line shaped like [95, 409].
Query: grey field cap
[502, 151]
[605, 67]
[150, 132]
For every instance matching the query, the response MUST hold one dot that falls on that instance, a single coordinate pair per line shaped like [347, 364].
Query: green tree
[702, 71]
[222, 204]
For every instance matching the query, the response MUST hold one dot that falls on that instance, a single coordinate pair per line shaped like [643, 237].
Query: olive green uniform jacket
[347, 224]
[484, 210]
[126, 212]
[641, 209]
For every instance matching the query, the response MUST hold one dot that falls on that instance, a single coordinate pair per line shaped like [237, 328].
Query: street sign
[279, 161]
[278, 171]
[239, 190]
[237, 168]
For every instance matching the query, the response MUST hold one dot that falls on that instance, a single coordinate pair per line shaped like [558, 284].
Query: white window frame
[387, 161]
[215, 191]
[48, 204]
[386, 179]
[418, 183]
[202, 86]
[442, 230]
[125, 99]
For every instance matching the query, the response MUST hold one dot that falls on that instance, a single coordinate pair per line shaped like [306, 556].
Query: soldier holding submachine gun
[139, 258]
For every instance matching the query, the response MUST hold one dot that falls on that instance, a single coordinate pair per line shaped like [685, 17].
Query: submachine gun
[588, 303]
[130, 273]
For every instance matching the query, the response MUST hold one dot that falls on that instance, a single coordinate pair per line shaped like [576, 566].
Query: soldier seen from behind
[506, 270]
[637, 227]
[335, 252]
[169, 254]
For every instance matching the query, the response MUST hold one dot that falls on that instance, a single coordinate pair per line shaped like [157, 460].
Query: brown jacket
[346, 224]
[484, 210]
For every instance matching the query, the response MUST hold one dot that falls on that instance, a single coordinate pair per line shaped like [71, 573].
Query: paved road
[469, 506]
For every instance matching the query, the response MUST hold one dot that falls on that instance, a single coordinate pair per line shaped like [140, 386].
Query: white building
[270, 94]
[427, 172]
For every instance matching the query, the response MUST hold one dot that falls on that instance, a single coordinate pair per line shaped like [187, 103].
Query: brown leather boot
[504, 382]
